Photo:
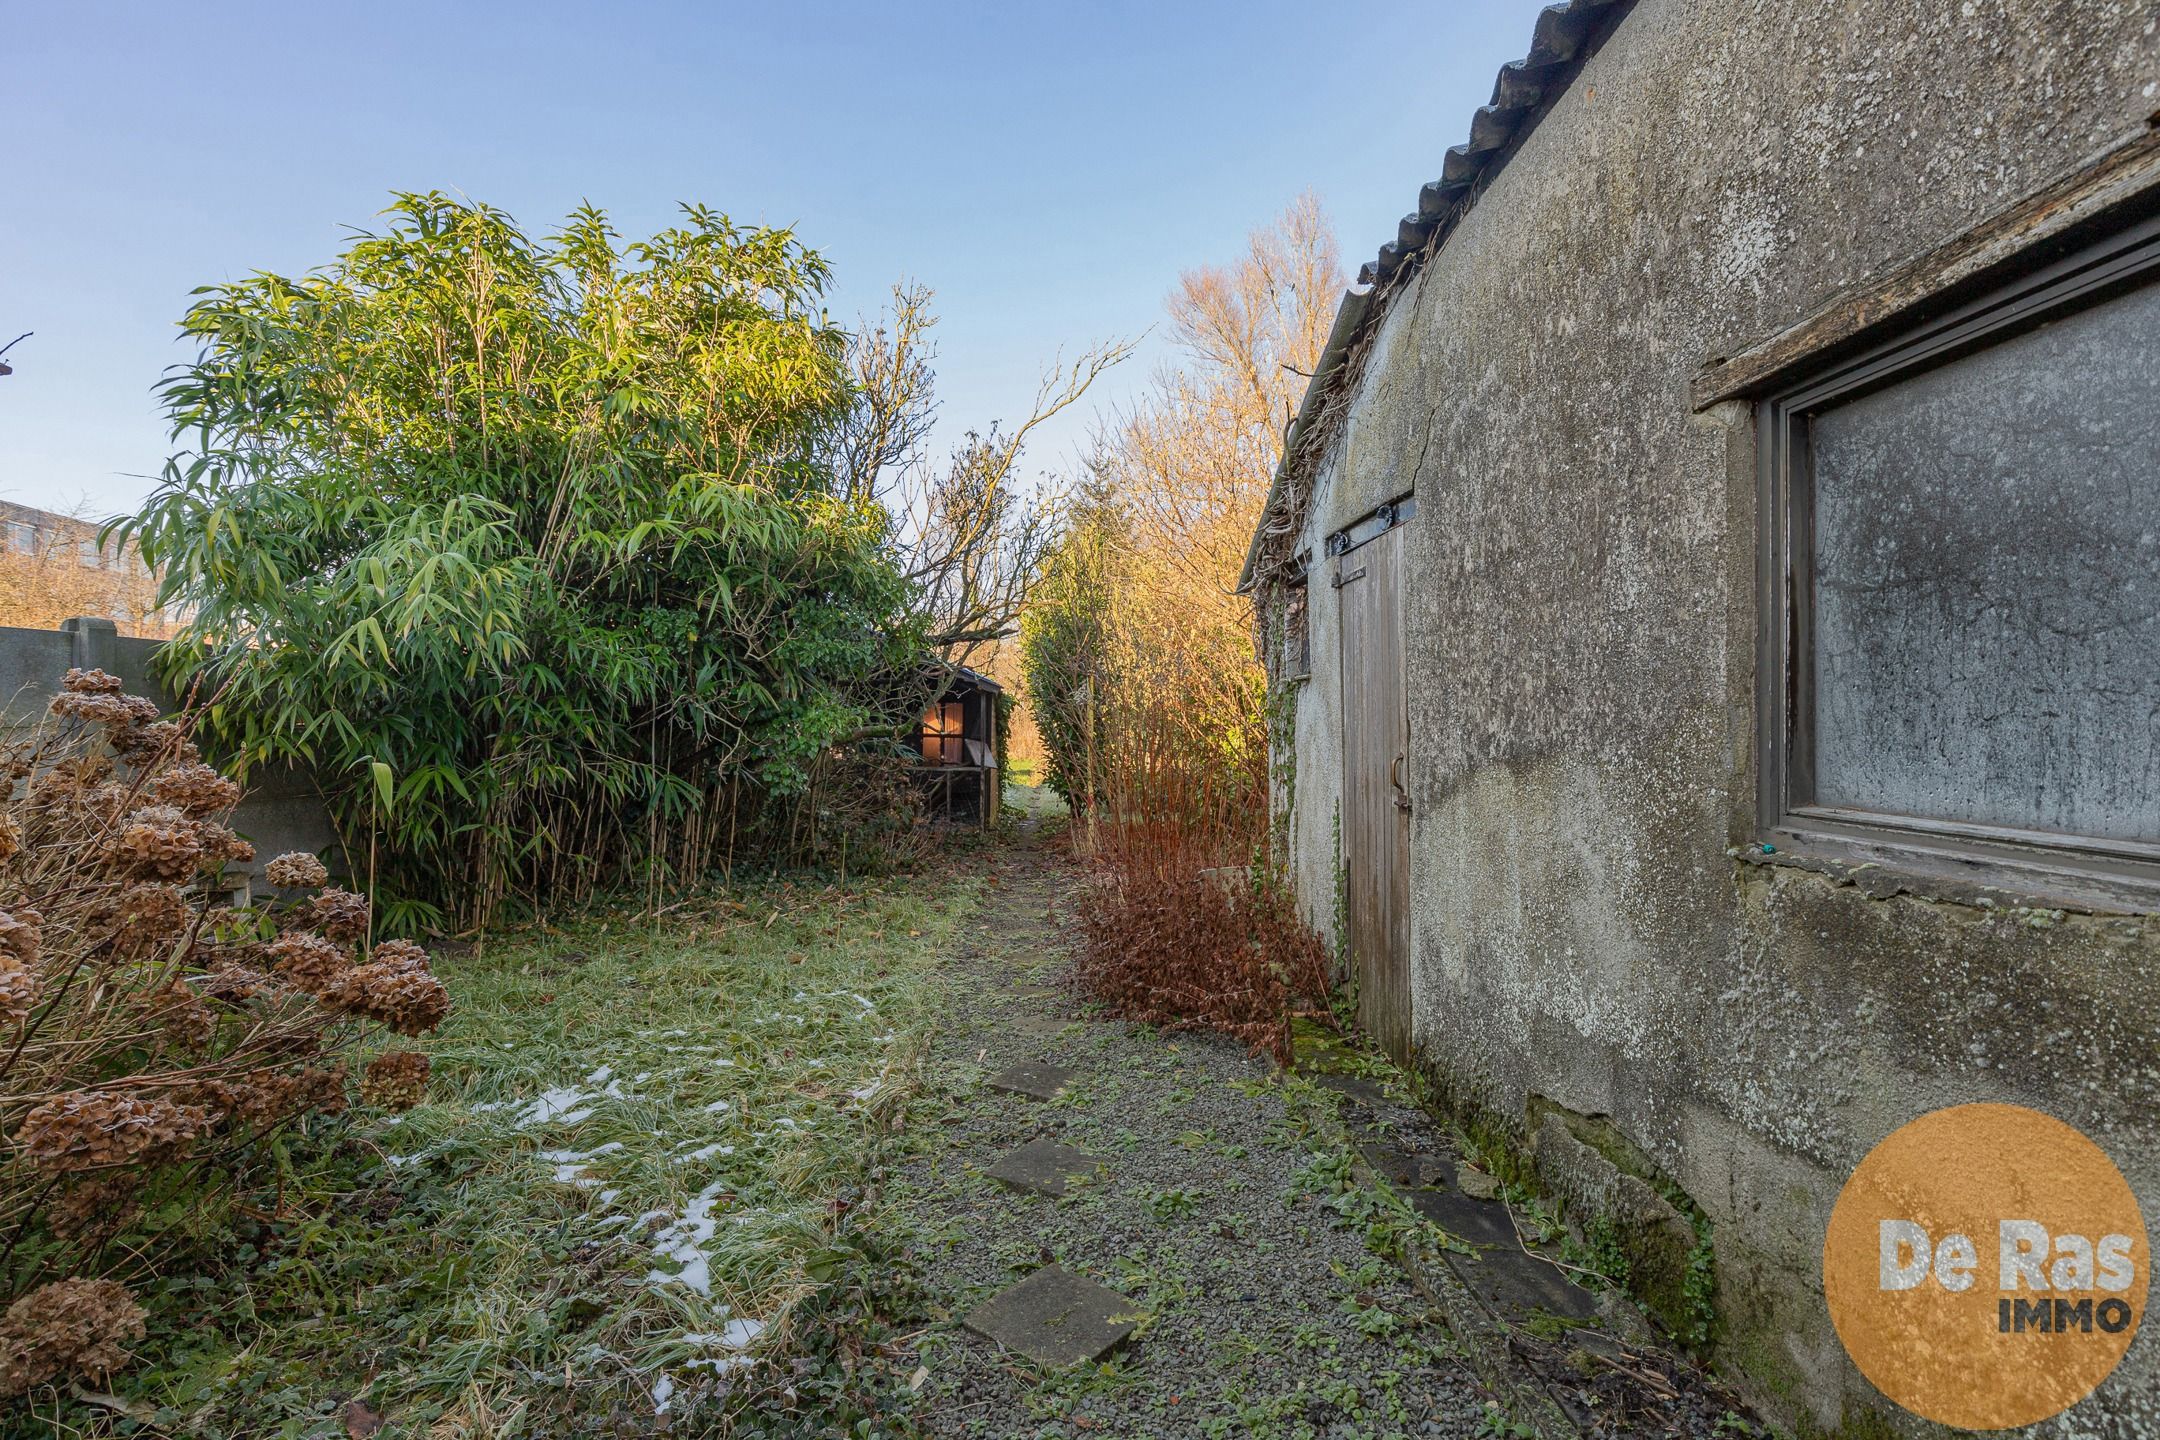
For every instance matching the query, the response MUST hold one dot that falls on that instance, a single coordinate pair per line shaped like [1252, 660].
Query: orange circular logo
[1986, 1266]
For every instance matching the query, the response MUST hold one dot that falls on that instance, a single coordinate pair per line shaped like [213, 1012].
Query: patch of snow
[719, 1107]
[705, 1154]
[663, 1395]
[736, 1335]
[556, 1105]
[684, 1242]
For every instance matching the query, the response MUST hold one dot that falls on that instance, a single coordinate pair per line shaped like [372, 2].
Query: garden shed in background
[958, 740]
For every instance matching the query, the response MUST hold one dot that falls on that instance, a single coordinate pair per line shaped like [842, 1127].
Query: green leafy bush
[534, 551]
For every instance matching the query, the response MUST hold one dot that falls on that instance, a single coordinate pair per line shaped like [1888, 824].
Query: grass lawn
[632, 1188]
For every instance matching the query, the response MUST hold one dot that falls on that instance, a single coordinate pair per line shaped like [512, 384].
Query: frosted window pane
[1987, 577]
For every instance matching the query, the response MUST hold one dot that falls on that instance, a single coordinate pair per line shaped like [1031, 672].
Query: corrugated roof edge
[1564, 37]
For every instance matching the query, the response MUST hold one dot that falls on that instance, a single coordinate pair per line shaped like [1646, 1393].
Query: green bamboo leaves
[526, 546]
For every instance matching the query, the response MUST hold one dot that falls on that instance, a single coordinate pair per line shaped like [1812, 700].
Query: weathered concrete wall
[1315, 784]
[1581, 629]
[283, 810]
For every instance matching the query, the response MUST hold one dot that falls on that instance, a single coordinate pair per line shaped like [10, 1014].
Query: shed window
[1963, 560]
[1297, 631]
[944, 731]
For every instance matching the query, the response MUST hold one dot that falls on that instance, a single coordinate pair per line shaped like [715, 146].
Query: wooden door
[1376, 801]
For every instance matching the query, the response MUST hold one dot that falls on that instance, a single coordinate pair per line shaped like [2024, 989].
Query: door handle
[1394, 780]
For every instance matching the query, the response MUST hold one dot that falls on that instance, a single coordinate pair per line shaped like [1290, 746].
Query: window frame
[2114, 872]
[1294, 656]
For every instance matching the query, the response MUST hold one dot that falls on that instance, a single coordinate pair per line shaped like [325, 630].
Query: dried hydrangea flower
[181, 1014]
[18, 990]
[148, 914]
[79, 1326]
[19, 986]
[395, 1080]
[68, 778]
[307, 962]
[159, 840]
[271, 1097]
[19, 931]
[339, 915]
[395, 989]
[94, 1209]
[195, 790]
[10, 838]
[219, 844]
[92, 1129]
[296, 870]
[144, 746]
[78, 681]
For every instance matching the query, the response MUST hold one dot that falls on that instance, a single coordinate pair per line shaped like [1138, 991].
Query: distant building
[53, 568]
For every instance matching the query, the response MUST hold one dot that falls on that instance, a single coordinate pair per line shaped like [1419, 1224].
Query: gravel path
[1267, 1314]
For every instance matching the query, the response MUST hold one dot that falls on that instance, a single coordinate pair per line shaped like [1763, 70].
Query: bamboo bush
[533, 550]
[154, 1039]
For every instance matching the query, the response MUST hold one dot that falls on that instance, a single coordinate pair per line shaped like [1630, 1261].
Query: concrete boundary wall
[283, 810]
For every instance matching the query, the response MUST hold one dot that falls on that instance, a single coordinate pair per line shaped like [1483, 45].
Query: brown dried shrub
[181, 1017]
[395, 989]
[78, 681]
[96, 1130]
[158, 840]
[77, 1327]
[96, 1209]
[19, 934]
[18, 989]
[150, 914]
[149, 1040]
[1202, 951]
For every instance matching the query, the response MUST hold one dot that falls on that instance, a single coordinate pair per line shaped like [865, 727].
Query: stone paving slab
[1041, 1167]
[1056, 1318]
[1033, 1079]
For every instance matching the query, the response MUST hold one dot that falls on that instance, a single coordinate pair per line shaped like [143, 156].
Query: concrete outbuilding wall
[1582, 626]
[283, 810]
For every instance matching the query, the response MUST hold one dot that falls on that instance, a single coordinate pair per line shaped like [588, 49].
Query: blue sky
[1047, 169]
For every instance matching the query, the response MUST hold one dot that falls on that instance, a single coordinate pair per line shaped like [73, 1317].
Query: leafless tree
[972, 535]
